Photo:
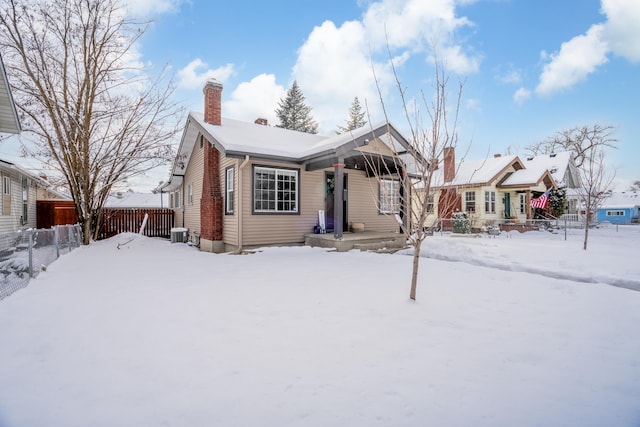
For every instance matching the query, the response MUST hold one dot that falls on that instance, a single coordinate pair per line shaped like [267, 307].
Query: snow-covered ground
[522, 329]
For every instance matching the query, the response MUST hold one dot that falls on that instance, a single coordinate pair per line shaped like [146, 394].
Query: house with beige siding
[493, 190]
[237, 184]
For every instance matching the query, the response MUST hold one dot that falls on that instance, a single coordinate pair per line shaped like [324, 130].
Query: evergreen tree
[294, 114]
[558, 202]
[356, 117]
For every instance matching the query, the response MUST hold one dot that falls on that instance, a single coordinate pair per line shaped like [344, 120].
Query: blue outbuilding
[621, 208]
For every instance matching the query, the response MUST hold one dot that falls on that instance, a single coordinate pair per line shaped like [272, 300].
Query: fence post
[30, 254]
[56, 241]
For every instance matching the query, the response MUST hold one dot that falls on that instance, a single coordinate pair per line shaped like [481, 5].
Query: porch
[366, 240]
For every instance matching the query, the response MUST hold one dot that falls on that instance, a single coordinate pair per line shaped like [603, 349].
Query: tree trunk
[414, 272]
[86, 231]
[586, 232]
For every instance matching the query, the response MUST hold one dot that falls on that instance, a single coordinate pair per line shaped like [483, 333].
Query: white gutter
[239, 193]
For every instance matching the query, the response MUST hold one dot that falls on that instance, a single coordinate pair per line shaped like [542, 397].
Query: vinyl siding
[269, 229]
[230, 221]
[13, 220]
[193, 175]
[363, 204]
[266, 229]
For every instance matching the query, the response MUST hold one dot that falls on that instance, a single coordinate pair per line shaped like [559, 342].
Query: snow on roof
[474, 172]
[555, 163]
[525, 177]
[128, 199]
[252, 138]
[245, 137]
[624, 199]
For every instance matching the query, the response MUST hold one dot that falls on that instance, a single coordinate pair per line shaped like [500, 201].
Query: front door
[507, 205]
[329, 210]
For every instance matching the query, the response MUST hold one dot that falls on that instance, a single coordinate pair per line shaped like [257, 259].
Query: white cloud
[335, 63]
[622, 29]
[257, 98]
[196, 73]
[583, 54]
[510, 76]
[521, 95]
[152, 7]
[577, 58]
[473, 104]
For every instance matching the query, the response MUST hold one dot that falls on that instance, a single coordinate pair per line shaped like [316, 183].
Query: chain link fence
[24, 254]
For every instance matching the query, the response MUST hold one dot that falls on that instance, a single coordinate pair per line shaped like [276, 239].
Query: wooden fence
[116, 221]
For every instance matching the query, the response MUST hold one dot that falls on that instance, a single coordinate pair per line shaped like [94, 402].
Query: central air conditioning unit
[178, 235]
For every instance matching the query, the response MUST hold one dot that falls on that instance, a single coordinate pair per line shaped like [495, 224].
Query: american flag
[541, 202]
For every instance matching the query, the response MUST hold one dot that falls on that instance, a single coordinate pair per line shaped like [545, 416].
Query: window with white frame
[6, 185]
[229, 191]
[523, 203]
[25, 201]
[430, 203]
[389, 196]
[275, 190]
[615, 213]
[190, 194]
[490, 201]
[470, 201]
[176, 199]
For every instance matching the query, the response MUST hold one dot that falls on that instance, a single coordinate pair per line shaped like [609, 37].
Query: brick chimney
[261, 121]
[211, 203]
[449, 164]
[213, 102]
[497, 156]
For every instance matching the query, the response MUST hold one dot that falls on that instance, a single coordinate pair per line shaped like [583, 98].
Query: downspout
[239, 192]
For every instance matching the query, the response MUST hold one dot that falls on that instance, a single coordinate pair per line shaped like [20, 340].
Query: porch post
[528, 202]
[338, 198]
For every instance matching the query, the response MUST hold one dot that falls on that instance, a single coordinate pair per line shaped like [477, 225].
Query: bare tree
[595, 185]
[580, 140]
[97, 117]
[417, 165]
[635, 186]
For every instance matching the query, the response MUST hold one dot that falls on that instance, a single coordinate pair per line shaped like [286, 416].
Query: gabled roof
[558, 165]
[9, 122]
[477, 172]
[238, 139]
[529, 178]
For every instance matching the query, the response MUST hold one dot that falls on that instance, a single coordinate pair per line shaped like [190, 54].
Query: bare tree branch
[97, 117]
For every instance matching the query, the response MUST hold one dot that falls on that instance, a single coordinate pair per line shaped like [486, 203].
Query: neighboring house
[9, 122]
[131, 200]
[19, 195]
[620, 208]
[493, 190]
[235, 184]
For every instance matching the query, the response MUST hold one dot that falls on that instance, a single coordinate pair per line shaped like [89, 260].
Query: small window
[523, 203]
[6, 185]
[470, 201]
[389, 196]
[25, 201]
[430, 203]
[490, 202]
[615, 213]
[176, 199]
[229, 191]
[190, 194]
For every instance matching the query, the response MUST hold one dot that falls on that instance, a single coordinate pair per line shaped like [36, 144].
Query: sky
[520, 329]
[530, 69]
